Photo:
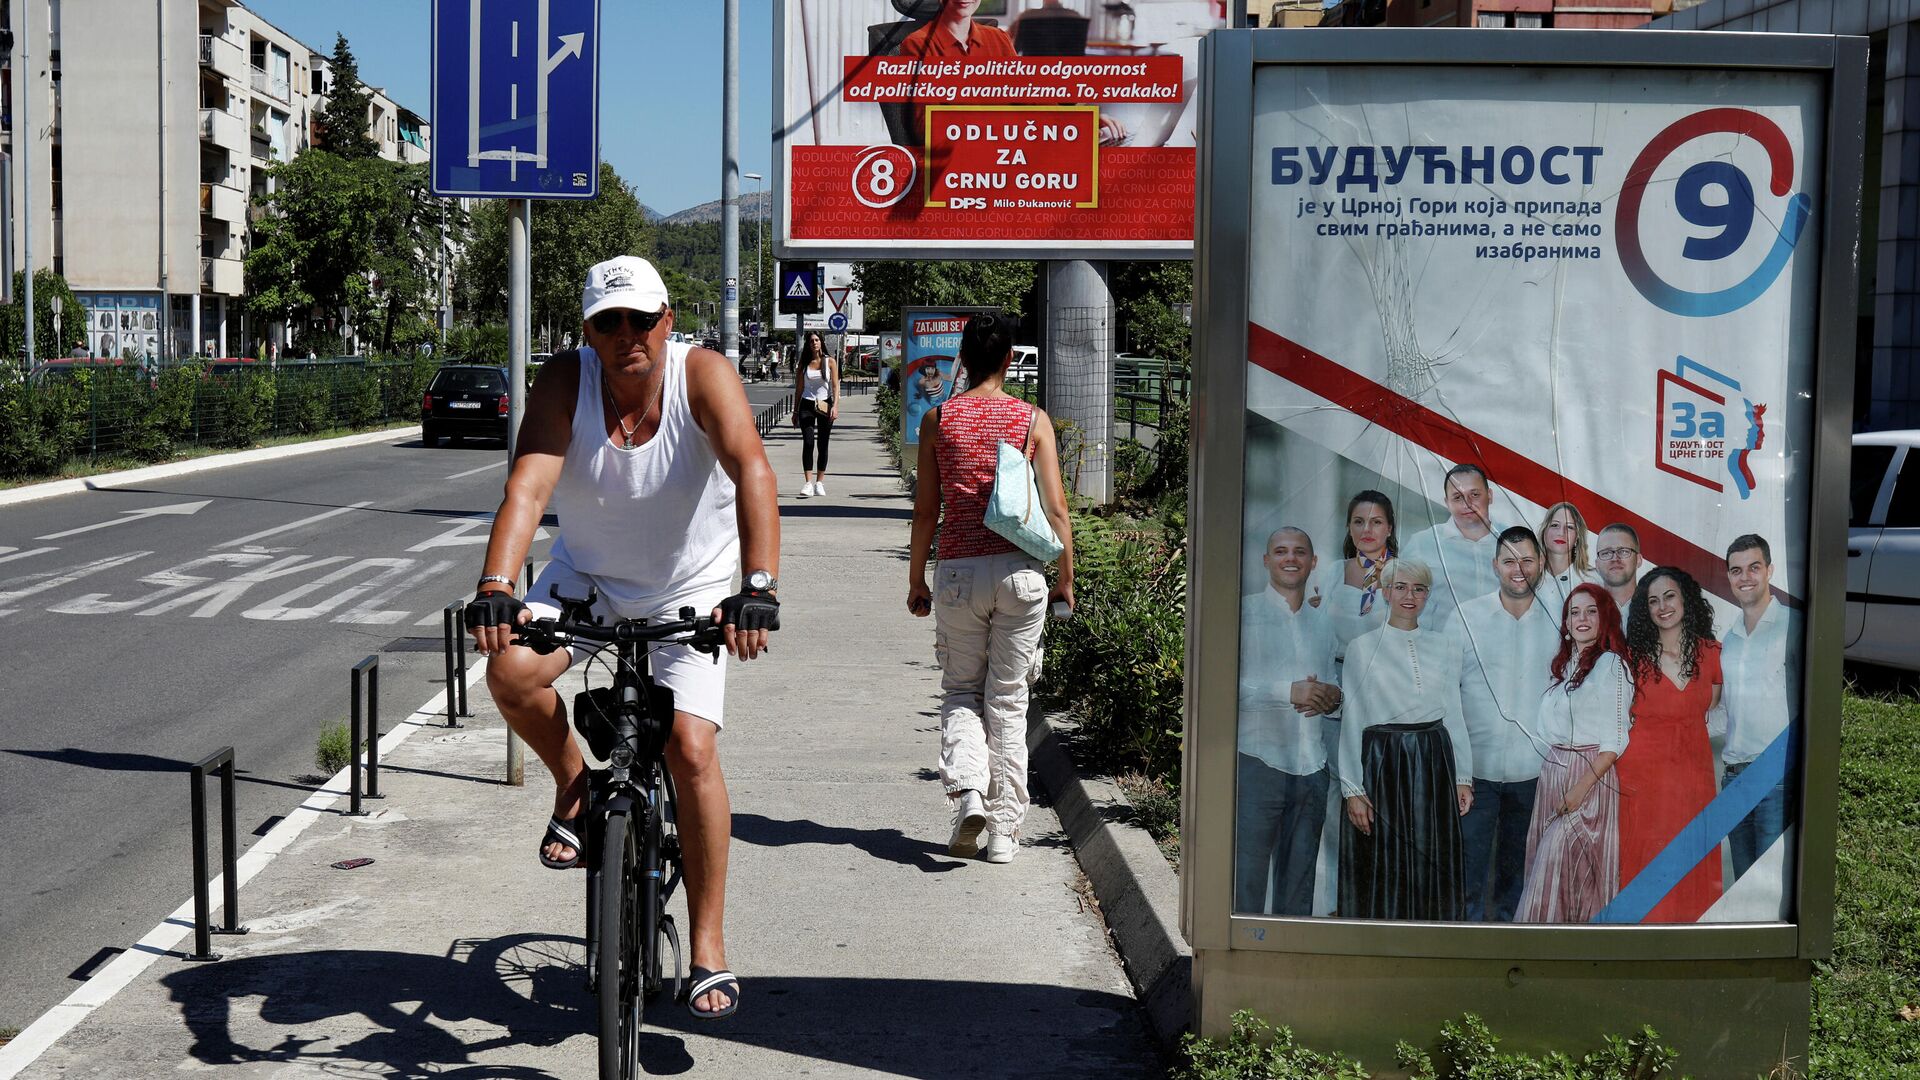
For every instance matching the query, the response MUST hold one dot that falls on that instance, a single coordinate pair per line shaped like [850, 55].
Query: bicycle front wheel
[621, 966]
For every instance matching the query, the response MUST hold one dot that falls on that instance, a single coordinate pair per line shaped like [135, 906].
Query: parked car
[1883, 550]
[1026, 364]
[465, 401]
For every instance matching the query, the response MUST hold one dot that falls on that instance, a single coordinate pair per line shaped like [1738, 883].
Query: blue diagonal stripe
[1702, 835]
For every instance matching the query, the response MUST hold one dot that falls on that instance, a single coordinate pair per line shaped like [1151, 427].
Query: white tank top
[653, 526]
[814, 383]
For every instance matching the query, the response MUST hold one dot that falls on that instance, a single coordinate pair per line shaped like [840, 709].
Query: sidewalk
[863, 949]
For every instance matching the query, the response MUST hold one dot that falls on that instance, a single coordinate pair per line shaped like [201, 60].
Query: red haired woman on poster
[1666, 779]
[1573, 844]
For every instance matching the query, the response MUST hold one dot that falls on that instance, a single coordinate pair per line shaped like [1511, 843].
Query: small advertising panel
[931, 372]
[1531, 364]
[1009, 128]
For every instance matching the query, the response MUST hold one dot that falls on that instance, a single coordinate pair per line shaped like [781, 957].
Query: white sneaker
[969, 821]
[1001, 848]
[819, 487]
[806, 489]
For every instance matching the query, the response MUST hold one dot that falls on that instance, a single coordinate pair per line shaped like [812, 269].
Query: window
[1869, 467]
[1903, 510]
[476, 380]
[1516, 20]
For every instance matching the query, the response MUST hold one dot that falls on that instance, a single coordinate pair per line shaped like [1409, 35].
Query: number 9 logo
[883, 175]
[1733, 219]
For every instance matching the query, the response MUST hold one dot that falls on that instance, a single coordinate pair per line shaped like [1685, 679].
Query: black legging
[815, 426]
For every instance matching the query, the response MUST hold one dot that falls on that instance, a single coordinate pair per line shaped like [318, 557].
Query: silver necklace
[626, 433]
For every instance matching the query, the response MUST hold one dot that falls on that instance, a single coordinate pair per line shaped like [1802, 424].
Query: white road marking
[214, 598]
[43, 1033]
[463, 534]
[281, 609]
[278, 529]
[8, 554]
[369, 612]
[472, 472]
[53, 579]
[127, 517]
[174, 579]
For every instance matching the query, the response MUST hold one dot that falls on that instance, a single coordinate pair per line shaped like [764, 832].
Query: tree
[886, 287]
[49, 289]
[405, 263]
[569, 236]
[342, 121]
[315, 250]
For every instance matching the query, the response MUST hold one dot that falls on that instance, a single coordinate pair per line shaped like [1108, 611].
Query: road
[149, 626]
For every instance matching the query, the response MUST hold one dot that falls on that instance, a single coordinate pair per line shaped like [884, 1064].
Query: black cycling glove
[494, 609]
[750, 610]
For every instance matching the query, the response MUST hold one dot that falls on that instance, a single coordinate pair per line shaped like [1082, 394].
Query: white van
[1026, 364]
[1883, 550]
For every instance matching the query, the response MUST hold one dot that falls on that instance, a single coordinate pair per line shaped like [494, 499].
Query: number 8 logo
[1734, 218]
[878, 179]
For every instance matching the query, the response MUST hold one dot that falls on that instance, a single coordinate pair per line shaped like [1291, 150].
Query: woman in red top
[1666, 774]
[991, 598]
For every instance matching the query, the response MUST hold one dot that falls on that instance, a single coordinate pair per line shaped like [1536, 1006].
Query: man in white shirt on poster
[1507, 641]
[1288, 681]
[1459, 550]
[1618, 559]
[1761, 690]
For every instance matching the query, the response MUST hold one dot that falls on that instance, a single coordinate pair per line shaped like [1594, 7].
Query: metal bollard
[355, 734]
[221, 761]
[452, 640]
[460, 656]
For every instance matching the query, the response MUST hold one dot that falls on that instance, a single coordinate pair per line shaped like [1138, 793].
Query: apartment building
[1501, 14]
[150, 129]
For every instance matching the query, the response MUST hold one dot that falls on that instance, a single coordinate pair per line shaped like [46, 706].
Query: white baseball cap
[624, 281]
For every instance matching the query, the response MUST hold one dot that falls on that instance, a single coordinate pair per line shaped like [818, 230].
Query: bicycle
[631, 842]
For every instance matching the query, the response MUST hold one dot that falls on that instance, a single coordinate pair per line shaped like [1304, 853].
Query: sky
[659, 81]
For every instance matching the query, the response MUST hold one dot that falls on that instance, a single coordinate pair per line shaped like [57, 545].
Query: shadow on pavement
[891, 845]
[828, 510]
[117, 761]
[429, 1014]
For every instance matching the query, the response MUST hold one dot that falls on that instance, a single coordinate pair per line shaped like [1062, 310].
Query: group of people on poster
[1493, 721]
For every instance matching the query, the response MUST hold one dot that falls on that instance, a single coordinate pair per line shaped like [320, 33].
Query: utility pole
[23, 135]
[730, 184]
[759, 285]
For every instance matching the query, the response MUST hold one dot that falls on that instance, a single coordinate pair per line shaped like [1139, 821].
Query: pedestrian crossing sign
[799, 288]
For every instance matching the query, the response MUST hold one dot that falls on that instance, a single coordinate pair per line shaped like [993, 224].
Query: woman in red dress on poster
[1666, 774]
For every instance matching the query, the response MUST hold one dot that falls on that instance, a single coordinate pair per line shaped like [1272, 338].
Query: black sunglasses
[643, 322]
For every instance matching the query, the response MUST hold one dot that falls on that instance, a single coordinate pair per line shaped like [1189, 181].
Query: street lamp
[758, 283]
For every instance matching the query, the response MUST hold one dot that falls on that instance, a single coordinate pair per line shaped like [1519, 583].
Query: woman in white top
[1406, 764]
[1563, 537]
[816, 405]
[1573, 845]
[1350, 589]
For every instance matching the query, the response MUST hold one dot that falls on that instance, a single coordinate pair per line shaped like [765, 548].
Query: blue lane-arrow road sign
[516, 98]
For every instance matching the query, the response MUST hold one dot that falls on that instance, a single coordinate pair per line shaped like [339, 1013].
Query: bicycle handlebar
[574, 624]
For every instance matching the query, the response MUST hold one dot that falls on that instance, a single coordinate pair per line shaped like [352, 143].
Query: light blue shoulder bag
[1014, 510]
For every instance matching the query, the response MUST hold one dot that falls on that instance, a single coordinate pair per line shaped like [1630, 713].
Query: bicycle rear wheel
[620, 956]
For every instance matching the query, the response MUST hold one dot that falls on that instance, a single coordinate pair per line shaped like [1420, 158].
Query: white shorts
[699, 684]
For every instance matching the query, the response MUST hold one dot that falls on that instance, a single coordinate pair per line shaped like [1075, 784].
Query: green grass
[1859, 1027]
[8, 1034]
[82, 467]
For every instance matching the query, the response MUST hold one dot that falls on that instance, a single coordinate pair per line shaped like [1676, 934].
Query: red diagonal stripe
[1509, 468]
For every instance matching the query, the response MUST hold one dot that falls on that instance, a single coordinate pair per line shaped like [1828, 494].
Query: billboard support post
[730, 184]
[1077, 382]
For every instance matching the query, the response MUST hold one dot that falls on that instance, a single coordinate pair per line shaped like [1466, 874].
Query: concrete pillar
[1076, 371]
[222, 301]
[194, 340]
[1895, 387]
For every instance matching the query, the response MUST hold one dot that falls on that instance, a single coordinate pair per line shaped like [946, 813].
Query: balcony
[223, 203]
[226, 276]
[219, 245]
[223, 56]
[223, 129]
[270, 85]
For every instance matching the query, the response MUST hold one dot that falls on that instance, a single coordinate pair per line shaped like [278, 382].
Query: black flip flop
[707, 982]
[562, 831]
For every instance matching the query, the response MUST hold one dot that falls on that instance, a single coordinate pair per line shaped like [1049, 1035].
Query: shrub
[243, 407]
[307, 402]
[357, 402]
[334, 748]
[1255, 1051]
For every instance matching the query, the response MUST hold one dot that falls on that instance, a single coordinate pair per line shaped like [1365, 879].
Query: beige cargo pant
[988, 614]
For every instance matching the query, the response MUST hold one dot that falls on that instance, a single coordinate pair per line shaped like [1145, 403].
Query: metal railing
[772, 416]
[453, 620]
[221, 762]
[365, 691]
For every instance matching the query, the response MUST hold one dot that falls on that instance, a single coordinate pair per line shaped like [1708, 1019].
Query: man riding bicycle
[647, 450]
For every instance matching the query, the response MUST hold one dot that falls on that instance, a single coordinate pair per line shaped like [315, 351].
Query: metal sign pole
[519, 330]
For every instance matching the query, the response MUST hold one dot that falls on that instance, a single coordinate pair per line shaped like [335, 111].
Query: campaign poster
[930, 372]
[1529, 409]
[1029, 128]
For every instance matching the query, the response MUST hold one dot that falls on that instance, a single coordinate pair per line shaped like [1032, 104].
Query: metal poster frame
[1330, 952]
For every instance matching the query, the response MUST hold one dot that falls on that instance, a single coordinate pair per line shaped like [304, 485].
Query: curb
[52, 488]
[1139, 893]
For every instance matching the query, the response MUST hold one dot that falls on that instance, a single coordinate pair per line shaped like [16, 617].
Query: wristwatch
[761, 581]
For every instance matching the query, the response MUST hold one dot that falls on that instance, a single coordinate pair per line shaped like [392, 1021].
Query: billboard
[931, 371]
[1002, 128]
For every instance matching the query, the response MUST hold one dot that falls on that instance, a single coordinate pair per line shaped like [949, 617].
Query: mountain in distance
[653, 216]
[752, 208]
